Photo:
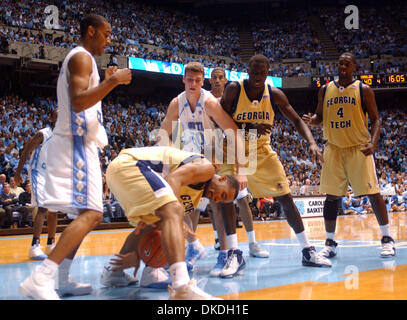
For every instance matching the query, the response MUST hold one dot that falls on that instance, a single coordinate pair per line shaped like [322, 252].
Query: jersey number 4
[340, 112]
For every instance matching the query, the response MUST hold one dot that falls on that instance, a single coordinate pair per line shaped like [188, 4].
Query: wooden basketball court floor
[358, 272]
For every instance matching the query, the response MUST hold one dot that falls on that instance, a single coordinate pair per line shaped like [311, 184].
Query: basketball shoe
[388, 247]
[39, 285]
[116, 279]
[329, 251]
[234, 264]
[35, 253]
[220, 264]
[311, 258]
[156, 278]
[49, 248]
[194, 252]
[257, 252]
[189, 291]
[72, 288]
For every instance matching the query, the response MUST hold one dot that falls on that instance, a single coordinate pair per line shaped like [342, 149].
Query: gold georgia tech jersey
[344, 119]
[247, 112]
[164, 160]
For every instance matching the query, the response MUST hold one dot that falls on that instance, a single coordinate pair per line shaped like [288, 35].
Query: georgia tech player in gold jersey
[250, 103]
[162, 184]
[343, 109]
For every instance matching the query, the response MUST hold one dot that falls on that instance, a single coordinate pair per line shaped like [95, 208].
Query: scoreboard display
[373, 80]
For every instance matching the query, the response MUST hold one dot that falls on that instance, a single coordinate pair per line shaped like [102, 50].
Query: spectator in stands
[8, 201]
[16, 190]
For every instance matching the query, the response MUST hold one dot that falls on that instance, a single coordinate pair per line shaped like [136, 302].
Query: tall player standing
[250, 103]
[36, 177]
[201, 119]
[344, 107]
[74, 178]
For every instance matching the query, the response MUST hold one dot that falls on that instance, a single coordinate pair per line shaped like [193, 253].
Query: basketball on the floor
[150, 250]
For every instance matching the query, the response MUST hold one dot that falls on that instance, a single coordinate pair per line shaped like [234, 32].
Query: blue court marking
[282, 268]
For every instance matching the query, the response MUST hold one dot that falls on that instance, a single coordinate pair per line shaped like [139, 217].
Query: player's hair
[259, 58]
[218, 69]
[234, 184]
[194, 66]
[350, 54]
[93, 20]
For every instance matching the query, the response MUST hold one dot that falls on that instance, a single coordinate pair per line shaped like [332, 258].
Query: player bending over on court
[344, 107]
[163, 184]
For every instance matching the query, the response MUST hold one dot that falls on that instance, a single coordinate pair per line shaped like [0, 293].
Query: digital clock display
[396, 78]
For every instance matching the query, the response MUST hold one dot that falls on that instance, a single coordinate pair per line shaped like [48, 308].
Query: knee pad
[331, 209]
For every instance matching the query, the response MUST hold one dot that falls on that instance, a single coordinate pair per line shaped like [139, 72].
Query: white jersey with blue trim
[87, 123]
[34, 159]
[194, 124]
[36, 171]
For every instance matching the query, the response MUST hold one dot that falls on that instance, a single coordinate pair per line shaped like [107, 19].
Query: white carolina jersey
[195, 125]
[36, 170]
[34, 160]
[88, 123]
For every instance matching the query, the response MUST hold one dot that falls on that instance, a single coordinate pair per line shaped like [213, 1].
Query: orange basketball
[150, 250]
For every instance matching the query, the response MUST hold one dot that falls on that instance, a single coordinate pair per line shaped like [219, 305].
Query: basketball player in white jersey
[36, 177]
[199, 113]
[73, 174]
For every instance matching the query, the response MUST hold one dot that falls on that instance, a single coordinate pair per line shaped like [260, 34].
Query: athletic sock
[63, 271]
[232, 241]
[330, 235]
[179, 274]
[303, 239]
[385, 229]
[50, 241]
[251, 236]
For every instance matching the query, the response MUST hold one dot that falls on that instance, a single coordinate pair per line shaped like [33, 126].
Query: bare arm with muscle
[80, 68]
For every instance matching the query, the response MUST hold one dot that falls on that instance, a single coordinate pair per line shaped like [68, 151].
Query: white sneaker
[35, 253]
[234, 264]
[71, 288]
[156, 278]
[189, 292]
[38, 286]
[49, 248]
[311, 258]
[329, 251]
[257, 252]
[116, 279]
[388, 247]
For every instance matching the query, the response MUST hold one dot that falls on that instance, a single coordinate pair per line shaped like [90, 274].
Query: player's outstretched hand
[124, 261]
